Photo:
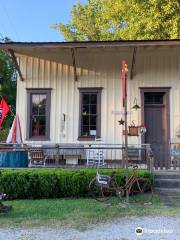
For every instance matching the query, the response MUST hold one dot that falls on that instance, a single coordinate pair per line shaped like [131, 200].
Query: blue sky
[30, 20]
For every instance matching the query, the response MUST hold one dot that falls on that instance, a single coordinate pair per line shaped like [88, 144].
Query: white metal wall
[154, 67]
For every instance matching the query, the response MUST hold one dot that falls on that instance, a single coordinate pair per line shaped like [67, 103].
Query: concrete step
[167, 183]
[170, 200]
[172, 192]
[167, 175]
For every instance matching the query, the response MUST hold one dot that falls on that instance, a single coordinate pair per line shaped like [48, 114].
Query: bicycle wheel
[141, 191]
[99, 192]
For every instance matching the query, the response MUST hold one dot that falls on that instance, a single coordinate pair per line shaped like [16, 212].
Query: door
[155, 119]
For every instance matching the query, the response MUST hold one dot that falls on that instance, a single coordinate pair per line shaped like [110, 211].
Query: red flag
[4, 109]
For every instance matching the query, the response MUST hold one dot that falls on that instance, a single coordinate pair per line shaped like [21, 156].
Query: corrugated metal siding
[99, 68]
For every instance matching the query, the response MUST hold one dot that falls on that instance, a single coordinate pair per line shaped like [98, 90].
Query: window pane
[42, 104]
[42, 110]
[42, 126]
[93, 99]
[149, 99]
[158, 99]
[38, 104]
[35, 103]
[35, 126]
[85, 110]
[93, 131]
[42, 120]
[85, 131]
[42, 130]
[93, 128]
[35, 99]
[42, 99]
[86, 98]
[93, 120]
[85, 120]
[35, 109]
[92, 109]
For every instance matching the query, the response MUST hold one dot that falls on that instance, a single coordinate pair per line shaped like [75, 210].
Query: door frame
[166, 102]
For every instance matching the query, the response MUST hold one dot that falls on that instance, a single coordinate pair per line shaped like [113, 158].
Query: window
[153, 98]
[38, 114]
[90, 112]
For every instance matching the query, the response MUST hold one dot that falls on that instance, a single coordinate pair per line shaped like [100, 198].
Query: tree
[123, 20]
[7, 87]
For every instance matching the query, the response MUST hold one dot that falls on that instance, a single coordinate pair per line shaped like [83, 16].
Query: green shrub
[52, 183]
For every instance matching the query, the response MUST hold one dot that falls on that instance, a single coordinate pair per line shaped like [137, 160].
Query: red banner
[4, 109]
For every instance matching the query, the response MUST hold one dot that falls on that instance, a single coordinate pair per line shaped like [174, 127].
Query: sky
[30, 20]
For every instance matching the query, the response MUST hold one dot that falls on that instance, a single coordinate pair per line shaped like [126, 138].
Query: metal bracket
[74, 63]
[133, 63]
[16, 63]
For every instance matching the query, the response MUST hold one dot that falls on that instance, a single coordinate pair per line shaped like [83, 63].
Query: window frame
[30, 92]
[82, 91]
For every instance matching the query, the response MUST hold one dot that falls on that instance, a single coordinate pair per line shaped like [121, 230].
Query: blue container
[14, 159]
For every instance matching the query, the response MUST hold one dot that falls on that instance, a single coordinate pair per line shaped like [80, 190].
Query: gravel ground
[120, 229]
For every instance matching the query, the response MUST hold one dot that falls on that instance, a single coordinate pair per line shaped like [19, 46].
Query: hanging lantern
[136, 106]
[143, 129]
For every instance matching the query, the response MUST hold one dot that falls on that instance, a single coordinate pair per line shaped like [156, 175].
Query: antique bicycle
[103, 187]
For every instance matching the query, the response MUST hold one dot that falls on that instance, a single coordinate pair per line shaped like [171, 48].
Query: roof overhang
[51, 50]
[23, 47]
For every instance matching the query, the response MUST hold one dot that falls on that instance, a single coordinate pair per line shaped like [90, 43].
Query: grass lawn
[76, 213]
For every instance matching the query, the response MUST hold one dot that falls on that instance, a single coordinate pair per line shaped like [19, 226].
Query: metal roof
[88, 44]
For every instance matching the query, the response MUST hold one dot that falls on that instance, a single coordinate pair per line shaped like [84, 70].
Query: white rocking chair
[95, 156]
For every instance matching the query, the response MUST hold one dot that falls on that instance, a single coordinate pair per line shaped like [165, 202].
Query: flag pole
[124, 81]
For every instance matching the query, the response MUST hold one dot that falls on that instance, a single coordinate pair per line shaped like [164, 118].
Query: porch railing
[89, 155]
[174, 155]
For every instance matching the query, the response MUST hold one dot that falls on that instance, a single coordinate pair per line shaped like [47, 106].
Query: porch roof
[51, 50]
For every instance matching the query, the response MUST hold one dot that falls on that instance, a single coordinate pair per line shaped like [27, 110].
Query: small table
[72, 159]
[14, 158]
[71, 152]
